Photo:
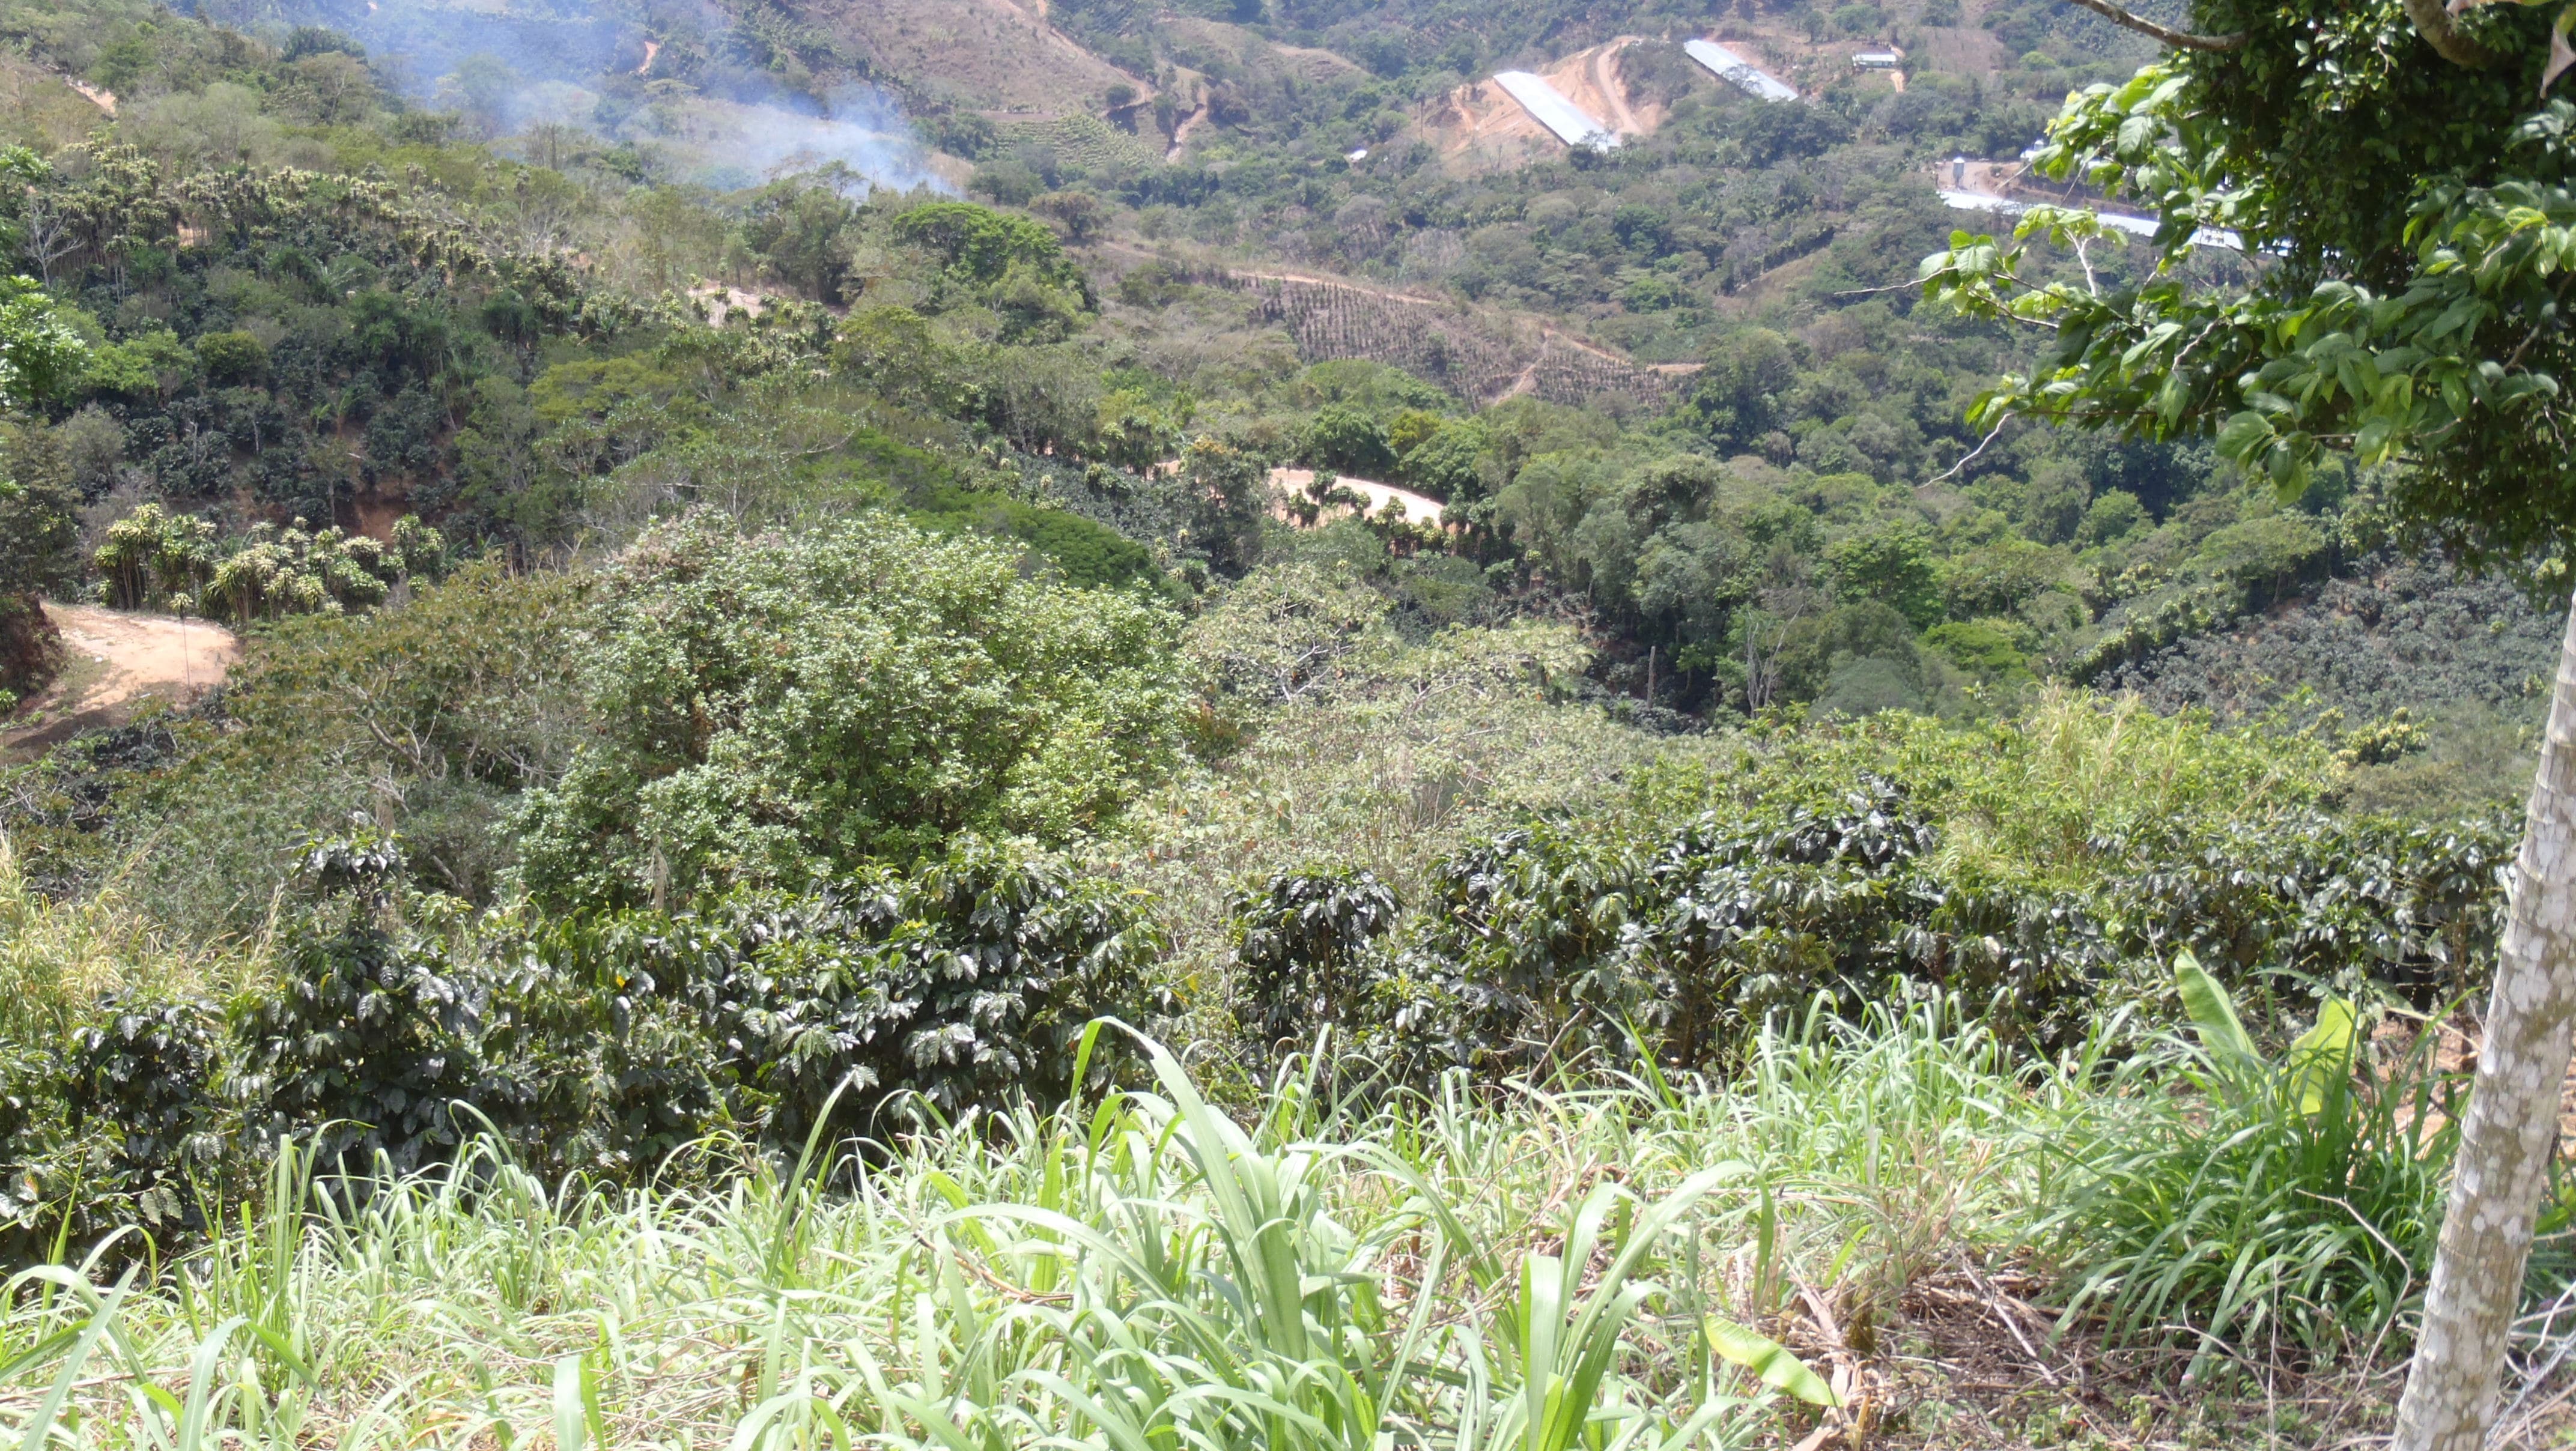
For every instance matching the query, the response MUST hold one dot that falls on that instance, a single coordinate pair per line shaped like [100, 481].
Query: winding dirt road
[1605, 79]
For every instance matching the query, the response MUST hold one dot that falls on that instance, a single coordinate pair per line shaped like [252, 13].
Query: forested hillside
[838, 818]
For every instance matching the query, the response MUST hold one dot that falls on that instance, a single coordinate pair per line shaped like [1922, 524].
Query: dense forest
[1188, 742]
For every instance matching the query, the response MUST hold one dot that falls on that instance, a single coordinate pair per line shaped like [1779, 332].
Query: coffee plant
[1542, 942]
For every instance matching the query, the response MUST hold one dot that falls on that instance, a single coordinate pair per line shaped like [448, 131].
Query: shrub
[2295, 1199]
[112, 1073]
[776, 711]
[1301, 939]
[1892, 564]
[144, 1089]
[614, 1038]
[1990, 649]
[366, 1039]
[231, 359]
[1344, 439]
[2040, 868]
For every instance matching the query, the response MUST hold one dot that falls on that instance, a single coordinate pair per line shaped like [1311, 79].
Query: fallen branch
[1970, 456]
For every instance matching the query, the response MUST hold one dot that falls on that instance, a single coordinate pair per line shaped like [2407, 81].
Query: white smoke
[517, 64]
[864, 132]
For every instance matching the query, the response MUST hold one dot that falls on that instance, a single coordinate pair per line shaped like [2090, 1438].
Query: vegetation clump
[1738, 904]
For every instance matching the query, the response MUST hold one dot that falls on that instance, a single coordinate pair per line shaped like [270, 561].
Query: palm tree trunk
[2512, 1124]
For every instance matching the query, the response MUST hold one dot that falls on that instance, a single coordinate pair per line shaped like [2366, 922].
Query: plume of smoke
[583, 63]
[865, 132]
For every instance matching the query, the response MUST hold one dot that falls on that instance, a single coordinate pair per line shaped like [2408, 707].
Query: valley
[1581, 725]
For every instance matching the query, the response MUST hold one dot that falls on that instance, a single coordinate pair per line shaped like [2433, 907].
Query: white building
[1736, 71]
[1548, 106]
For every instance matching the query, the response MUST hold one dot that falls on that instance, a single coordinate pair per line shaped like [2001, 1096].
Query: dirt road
[113, 664]
[1613, 90]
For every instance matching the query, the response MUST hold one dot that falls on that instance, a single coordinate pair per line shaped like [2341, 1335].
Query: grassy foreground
[1578, 1266]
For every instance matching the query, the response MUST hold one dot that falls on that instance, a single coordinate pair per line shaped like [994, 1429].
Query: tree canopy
[2414, 230]
[777, 710]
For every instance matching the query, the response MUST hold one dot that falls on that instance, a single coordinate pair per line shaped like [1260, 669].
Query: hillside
[993, 56]
[814, 723]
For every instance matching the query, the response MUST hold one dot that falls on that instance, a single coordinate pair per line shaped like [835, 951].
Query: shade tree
[2407, 177]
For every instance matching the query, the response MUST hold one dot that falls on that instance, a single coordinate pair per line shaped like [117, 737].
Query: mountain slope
[989, 55]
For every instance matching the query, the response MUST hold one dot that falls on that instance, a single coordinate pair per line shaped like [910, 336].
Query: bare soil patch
[1479, 127]
[115, 664]
[993, 51]
[1418, 508]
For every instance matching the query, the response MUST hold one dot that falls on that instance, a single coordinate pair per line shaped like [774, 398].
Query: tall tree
[39, 539]
[2400, 179]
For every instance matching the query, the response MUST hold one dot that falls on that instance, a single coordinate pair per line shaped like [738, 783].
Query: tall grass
[1134, 1271]
[1549, 1267]
[57, 955]
[2296, 1211]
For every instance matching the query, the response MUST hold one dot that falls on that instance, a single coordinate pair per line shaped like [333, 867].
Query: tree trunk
[2512, 1124]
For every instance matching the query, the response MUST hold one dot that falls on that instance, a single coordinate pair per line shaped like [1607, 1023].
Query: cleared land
[993, 52]
[115, 663]
[1418, 508]
[1479, 127]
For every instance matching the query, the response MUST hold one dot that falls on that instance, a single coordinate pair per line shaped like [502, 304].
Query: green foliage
[152, 557]
[1229, 497]
[118, 1123]
[2298, 1199]
[1988, 649]
[983, 246]
[2404, 331]
[963, 981]
[1997, 578]
[2041, 868]
[39, 354]
[1300, 940]
[297, 571]
[752, 814]
[796, 230]
[1346, 440]
[775, 711]
[1893, 565]
[1136, 432]
[1448, 464]
[391, 1026]
[1084, 553]
[39, 536]
[113, 1110]
[894, 351]
[368, 1035]
[231, 359]
[437, 714]
[1056, 1283]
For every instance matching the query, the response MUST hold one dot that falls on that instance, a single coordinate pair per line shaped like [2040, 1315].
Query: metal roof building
[1549, 107]
[1736, 71]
